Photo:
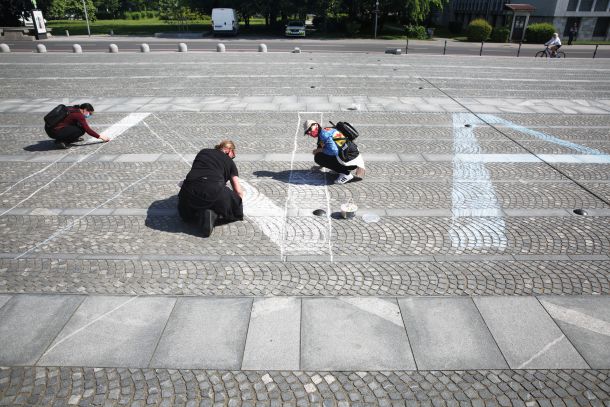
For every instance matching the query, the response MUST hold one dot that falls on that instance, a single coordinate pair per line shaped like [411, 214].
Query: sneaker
[207, 222]
[344, 178]
[80, 139]
[61, 145]
[360, 172]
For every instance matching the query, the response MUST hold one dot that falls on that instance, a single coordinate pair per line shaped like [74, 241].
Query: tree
[63, 8]
[178, 12]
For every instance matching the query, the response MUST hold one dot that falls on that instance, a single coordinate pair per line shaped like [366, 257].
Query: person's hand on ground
[105, 139]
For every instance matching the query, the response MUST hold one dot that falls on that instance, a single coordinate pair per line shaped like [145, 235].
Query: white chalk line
[36, 173]
[72, 223]
[87, 325]
[541, 352]
[257, 207]
[296, 244]
[112, 132]
[476, 213]
[577, 318]
[386, 310]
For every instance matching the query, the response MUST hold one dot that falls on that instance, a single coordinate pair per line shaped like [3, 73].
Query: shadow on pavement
[49, 145]
[298, 177]
[163, 215]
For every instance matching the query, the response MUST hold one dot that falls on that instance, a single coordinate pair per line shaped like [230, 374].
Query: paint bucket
[348, 210]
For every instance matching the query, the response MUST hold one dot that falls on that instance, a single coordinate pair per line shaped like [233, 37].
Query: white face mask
[87, 115]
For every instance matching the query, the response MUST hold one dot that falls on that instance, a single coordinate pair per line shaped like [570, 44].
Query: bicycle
[547, 53]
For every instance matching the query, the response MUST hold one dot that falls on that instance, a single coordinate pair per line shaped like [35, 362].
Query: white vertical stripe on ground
[113, 131]
[124, 124]
[306, 189]
[577, 318]
[477, 217]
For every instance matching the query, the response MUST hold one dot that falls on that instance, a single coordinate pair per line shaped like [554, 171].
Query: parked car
[224, 21]
[295, 28]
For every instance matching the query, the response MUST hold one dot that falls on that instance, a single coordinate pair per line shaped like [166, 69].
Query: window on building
[572, 5]
[601, 5]
[601, 27]
[585, 5]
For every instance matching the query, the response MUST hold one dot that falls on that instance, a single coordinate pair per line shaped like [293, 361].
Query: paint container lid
[319, 212]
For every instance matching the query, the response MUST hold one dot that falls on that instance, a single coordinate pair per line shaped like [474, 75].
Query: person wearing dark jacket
[73, 126]
[204, 196]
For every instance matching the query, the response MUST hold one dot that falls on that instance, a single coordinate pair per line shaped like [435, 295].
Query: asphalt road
[436, 47]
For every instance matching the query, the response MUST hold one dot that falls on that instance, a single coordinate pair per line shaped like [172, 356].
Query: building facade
[592, 17]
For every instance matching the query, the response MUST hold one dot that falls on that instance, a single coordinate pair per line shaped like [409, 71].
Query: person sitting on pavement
[554, 44]
[327, 153]
[73, 126]
[204, 196]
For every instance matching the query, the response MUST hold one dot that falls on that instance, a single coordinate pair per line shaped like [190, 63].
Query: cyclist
[554, 44]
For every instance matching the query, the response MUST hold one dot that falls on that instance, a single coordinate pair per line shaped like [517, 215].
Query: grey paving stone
[110, 331]
[449, 334]
[526, 334]
[4, 299]
[353, 334]
[204, 333]
[28, 324]
[585, 320]
[274, 335]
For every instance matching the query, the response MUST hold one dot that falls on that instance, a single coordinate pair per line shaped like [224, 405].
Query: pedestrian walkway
[312, 334]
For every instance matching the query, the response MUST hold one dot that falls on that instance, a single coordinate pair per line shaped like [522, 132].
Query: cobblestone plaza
[466, 277]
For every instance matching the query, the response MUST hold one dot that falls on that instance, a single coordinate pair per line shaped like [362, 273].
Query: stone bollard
[67, 33]
[113, 49]
[5, 48]
[77, 49]
[262, 48]
[41, 49]
[144, 48]
[220, 48]
[182, 47]
[296, 50]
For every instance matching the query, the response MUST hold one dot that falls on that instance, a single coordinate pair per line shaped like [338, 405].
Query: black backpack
[56, 115]
[347, 129]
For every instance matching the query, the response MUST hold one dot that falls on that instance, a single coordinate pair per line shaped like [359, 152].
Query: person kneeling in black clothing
[204, 196]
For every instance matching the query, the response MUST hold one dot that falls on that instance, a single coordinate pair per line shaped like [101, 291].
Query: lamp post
[86, 18]
[376, 15]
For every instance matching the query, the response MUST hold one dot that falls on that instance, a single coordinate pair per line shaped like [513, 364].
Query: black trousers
[196, 197]
[68, 134]
[331, 162]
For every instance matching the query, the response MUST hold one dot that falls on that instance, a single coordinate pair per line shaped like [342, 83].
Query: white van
[224, 21]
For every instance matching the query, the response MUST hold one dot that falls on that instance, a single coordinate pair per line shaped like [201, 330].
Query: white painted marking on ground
[577, 318]
[88, 325]
[491, 119]
[36, 173]
[541, 352]
[257, 207]
[112, 132]
[124, 124]
[477, 216]
[306, 190]
[377, 306]
[72, 223]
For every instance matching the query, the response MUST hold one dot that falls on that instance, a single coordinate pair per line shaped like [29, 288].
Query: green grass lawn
[147, 26]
